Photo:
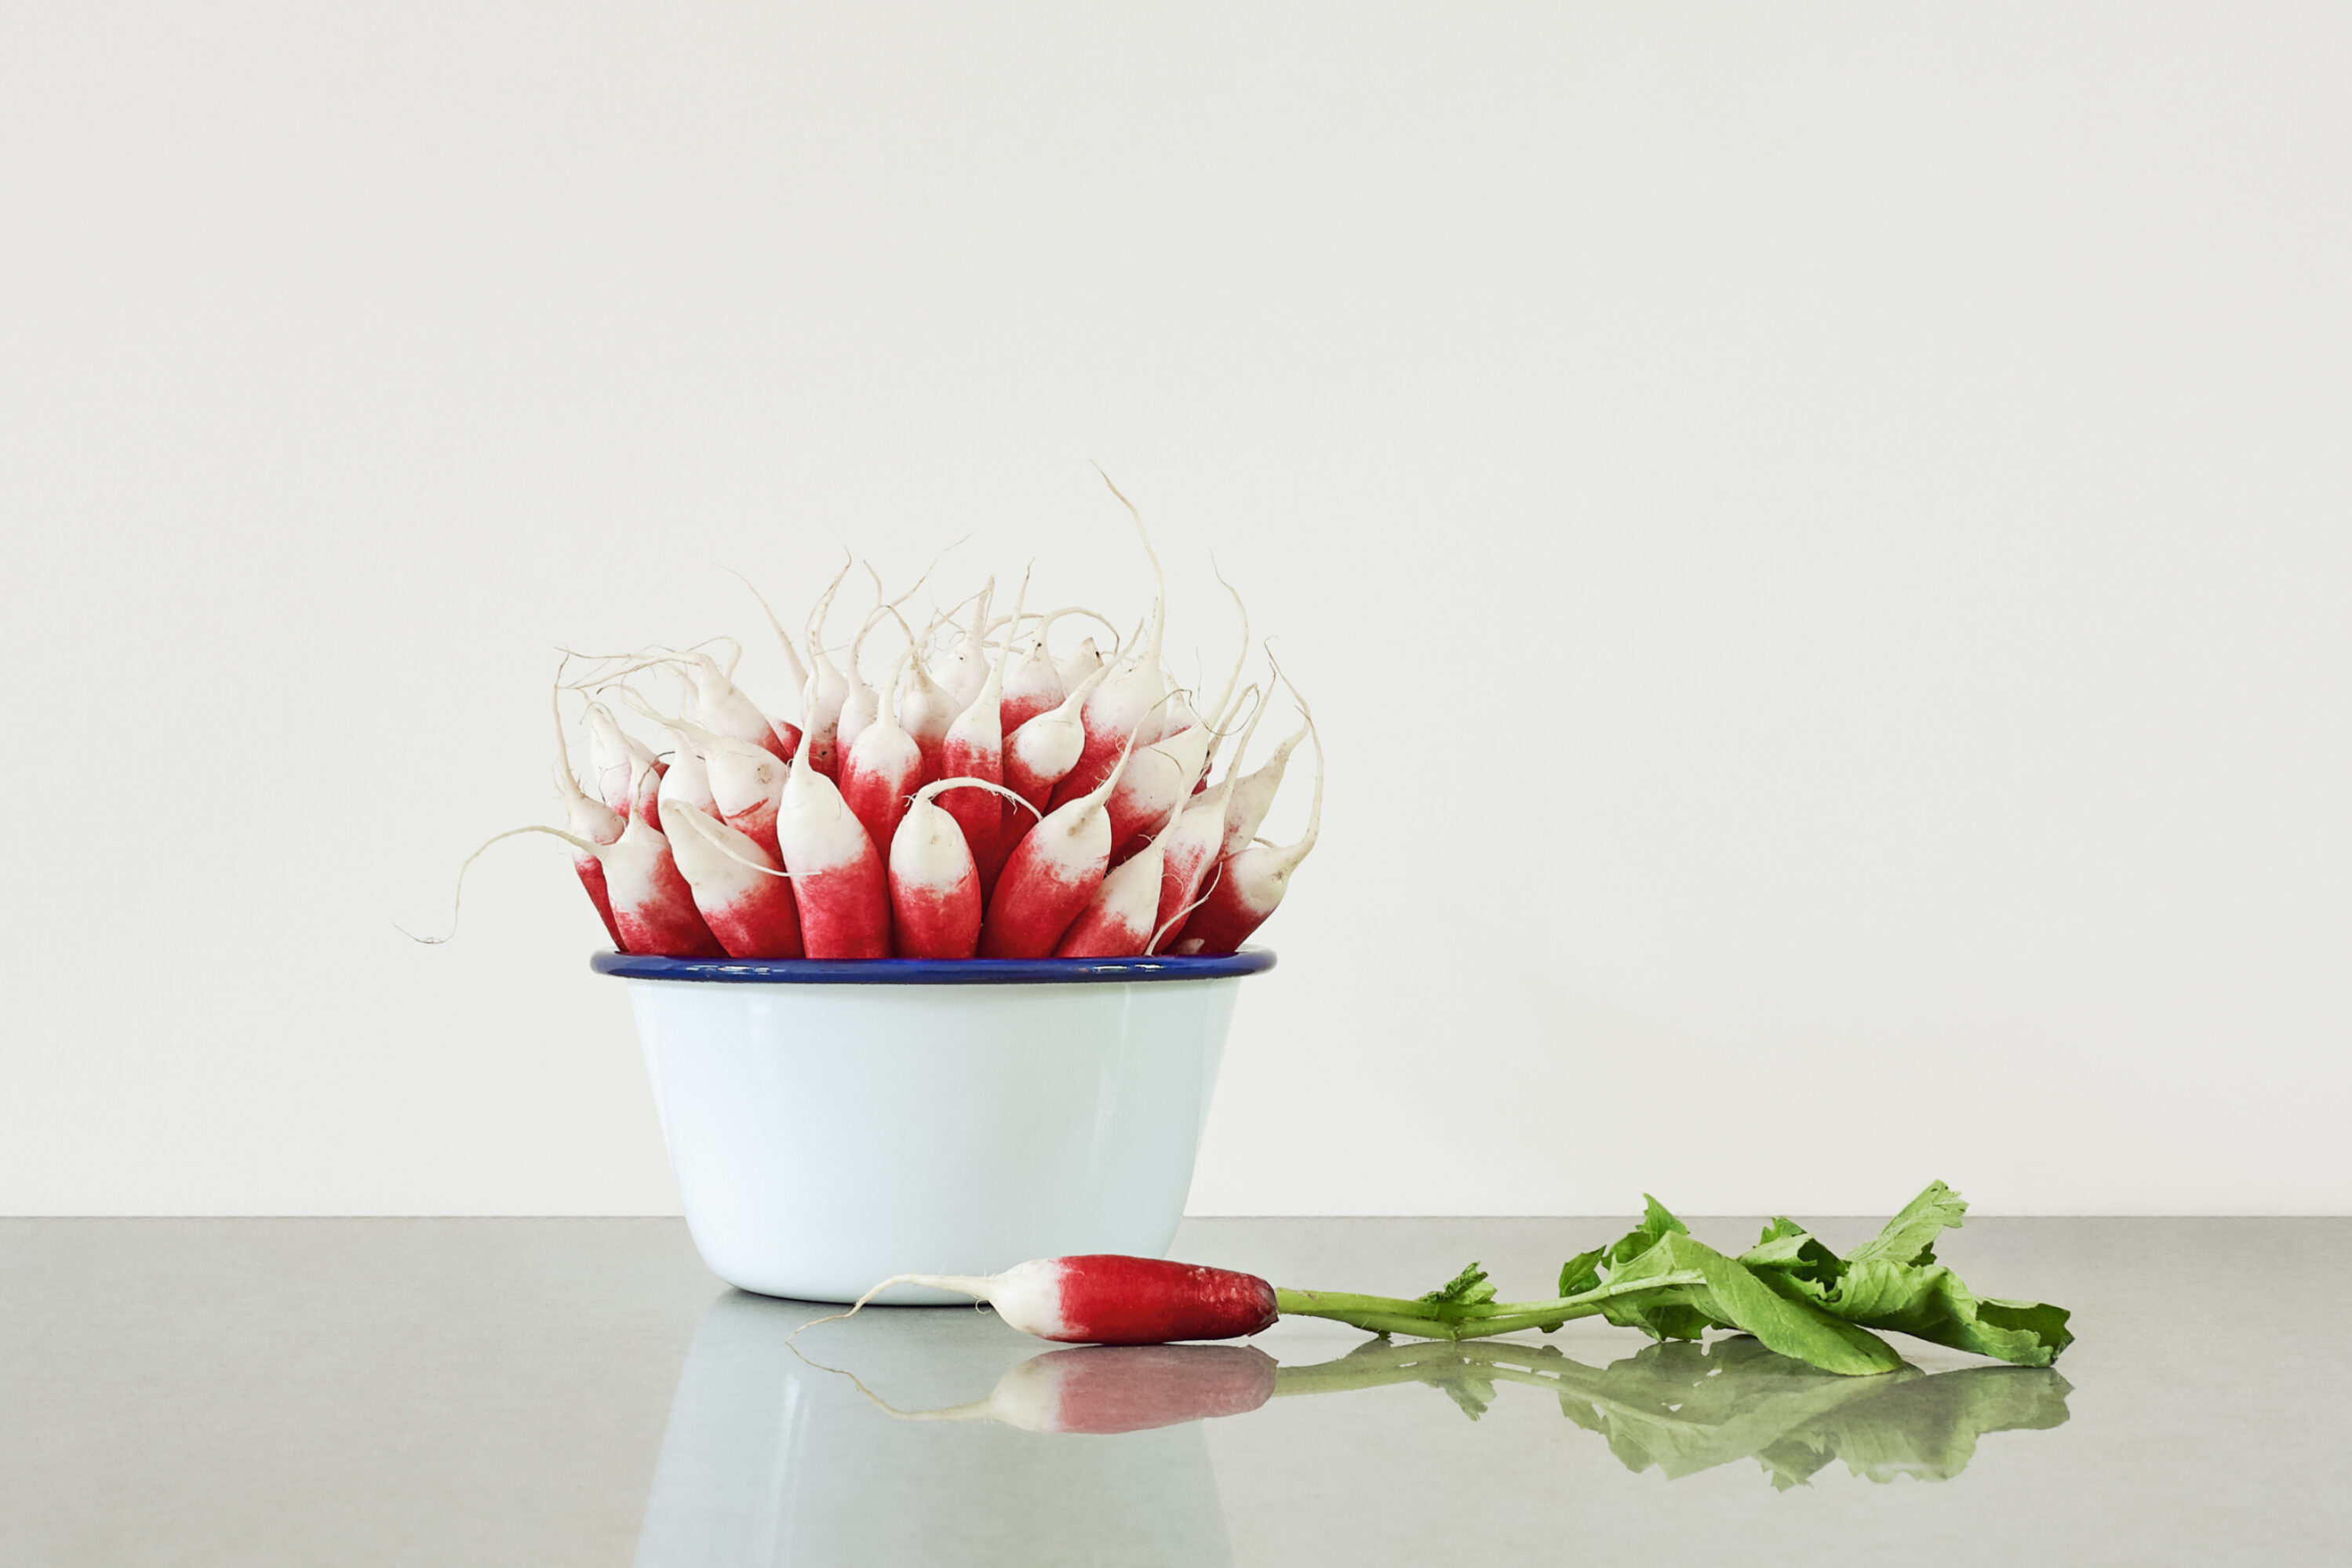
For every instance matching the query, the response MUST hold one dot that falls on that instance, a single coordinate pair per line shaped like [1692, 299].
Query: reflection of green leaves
[1684, 1408]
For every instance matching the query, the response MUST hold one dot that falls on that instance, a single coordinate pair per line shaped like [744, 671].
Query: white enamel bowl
[834, 1123]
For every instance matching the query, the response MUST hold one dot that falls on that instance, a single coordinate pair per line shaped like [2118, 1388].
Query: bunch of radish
[988, 798]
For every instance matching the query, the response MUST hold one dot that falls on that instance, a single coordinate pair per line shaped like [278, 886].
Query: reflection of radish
[1105, 1299]
[1098, 1390]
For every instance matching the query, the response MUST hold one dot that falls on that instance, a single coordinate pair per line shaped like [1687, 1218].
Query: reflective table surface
[452, 1392]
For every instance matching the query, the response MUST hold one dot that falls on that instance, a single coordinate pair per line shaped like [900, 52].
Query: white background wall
[1817, 533]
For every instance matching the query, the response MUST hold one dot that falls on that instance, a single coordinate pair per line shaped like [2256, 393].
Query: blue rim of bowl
[932, 971]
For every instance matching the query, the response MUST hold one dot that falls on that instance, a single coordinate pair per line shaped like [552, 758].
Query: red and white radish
[881, 769]
[935, 884]
[1253, 794]
[1050, 875]
[616, 754]
[1163, 774]
[1131, 694]
[1105, 1299]
[739, 889]
[927, 708]
[1083, 661]
[1122, 916]
[1041, 753]
[826, 690]
[588, 818]
[974, 748]
[965, 667]
[652, 906]
[1251, 883]
[1196, 843]
[837, 875]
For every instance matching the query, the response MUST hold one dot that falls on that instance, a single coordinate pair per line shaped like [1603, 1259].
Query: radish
[935, 884]
[1033, 683]
[837, 875]
[747, 783]
[881, 769]
[739, 888]
[653, 907]
[1084, 661]
[965, 668]
[1164, 772]
[1134, 690]
[1050, 875]
[588, 818]
[1122, 916]
[1105, 1299]
[827, 689]
[792, 653]
[974, 748]
[927, 709]
[1197, 843]
[1253, 795]
[1041, 753]
[617, 755]
[720, 705]
[1101, 1390]
[1252, 883]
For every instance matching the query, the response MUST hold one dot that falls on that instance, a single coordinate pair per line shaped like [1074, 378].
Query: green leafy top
[1467, 1289]
[1910, 1236]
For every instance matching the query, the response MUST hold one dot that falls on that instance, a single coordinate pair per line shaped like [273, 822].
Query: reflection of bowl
[834, 1123]
[771, 1459]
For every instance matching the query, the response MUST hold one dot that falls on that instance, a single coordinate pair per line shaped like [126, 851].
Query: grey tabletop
[198, 1392]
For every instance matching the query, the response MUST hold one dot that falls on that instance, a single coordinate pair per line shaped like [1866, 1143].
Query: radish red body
[1251, 884]
[739, 888]
[1108, 1298]
[935, 891]
[1050, 877]
[1121, 917]
[882, 768]
[837, 876]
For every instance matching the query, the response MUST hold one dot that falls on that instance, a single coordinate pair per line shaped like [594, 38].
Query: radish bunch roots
[988, 780]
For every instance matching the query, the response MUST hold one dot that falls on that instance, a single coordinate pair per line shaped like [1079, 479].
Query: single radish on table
[739, 889]
[935, 885]
[837, 876]
[1105, 1299]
